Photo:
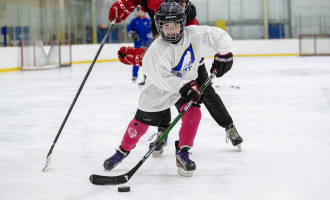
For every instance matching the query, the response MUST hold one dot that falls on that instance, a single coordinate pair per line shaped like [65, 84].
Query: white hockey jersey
[169, 66]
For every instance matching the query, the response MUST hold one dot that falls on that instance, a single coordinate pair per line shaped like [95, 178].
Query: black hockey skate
[233, 136]
[160, 149]
[115, 159]
[143, 82]
[134, 79]
[185, 166]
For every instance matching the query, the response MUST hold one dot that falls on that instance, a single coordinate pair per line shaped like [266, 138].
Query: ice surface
[281, 109]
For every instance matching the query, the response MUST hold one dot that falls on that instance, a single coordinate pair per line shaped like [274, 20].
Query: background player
[140, 30]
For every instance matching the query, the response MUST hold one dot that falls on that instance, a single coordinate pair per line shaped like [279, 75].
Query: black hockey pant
[212, 100]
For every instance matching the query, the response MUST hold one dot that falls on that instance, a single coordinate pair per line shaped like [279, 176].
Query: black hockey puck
[124, 189]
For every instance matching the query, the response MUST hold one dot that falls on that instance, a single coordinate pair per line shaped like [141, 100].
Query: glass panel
[244, 19]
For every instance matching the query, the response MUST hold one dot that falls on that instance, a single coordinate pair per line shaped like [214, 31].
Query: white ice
[281, 109]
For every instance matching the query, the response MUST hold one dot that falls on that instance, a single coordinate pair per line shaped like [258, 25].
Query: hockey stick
[121, 179]
[77, 94]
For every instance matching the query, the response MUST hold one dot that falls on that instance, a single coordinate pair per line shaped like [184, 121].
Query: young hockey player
[212, 101]
[171, 66]
[140, 30]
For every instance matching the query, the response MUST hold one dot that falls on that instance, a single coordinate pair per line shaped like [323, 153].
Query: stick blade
[108, 180]
[116, 180]
[47, 163]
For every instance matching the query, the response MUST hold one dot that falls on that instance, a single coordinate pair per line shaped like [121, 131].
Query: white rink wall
[11, 56]
[276, 47]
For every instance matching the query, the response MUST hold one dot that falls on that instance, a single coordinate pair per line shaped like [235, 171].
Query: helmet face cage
[170, 15]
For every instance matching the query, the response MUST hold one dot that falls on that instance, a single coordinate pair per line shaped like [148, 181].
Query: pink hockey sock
[134, 132]
[189, 126]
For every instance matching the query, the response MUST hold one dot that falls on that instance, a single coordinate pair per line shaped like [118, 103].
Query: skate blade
[157, 154]
[184, 173]
[239, 147]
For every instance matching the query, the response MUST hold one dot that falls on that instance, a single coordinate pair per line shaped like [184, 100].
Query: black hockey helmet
[179, 1]
[188, 4]
[170, 11]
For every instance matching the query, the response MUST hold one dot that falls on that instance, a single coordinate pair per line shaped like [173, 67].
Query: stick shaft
[121, 179]
[77, 94]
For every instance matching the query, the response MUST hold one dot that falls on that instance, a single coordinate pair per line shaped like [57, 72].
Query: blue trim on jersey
[186, 61]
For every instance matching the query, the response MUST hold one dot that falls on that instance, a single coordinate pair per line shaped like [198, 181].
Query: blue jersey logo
[186, 61]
